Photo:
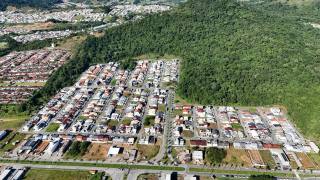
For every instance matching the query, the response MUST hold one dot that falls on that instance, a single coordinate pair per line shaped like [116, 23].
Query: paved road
[163, 147]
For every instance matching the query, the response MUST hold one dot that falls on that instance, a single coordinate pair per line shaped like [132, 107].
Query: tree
[215, 155]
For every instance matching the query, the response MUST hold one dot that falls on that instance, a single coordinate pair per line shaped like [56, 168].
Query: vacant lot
[148, 176]
[148, 151]
[267, 159]
[77, 150]
[305, 161]
[35, 26]
[10, 142]
[315, 158]
[3, 45]
[237, 157]
[40, 174]
[12, 122]
[53, 127]
[97, 151]
[255, 157]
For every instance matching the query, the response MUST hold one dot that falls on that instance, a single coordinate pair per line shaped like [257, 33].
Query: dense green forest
[31, 3]
[233, 53]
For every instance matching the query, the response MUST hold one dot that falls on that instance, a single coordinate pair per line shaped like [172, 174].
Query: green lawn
[148, 151]
[48, 174]
[13, 122]
[53, 127]
[241, 172]
[10, 142]
[236, 126]
[3, 45]
[124, 166]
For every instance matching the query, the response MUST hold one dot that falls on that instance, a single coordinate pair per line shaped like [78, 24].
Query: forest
[31, 3]
[232, 54]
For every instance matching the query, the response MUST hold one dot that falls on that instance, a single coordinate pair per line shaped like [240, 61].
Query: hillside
[31, 3]
[232, 54]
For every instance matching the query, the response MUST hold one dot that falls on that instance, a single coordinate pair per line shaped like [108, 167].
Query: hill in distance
[233, 54]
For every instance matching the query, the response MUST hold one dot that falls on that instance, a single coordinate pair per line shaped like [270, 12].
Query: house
[281, 158]
[198, 143]
[31, 144]
[197, 156]
[132, 155]
[3, 134]
[313, 146]
[113, 151]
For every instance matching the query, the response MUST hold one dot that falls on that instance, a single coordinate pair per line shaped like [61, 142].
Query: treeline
[31, 3]
[233, 53]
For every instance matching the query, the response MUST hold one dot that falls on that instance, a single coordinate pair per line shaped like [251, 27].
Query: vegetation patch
[267, 159]
[148, 121]
[10, 142]
[238, 157]
[215, 155]
[148, 176]
[49, 174]
[148, 151]
[53, 127]
[77, 149]
[3, 45]
[84, 164]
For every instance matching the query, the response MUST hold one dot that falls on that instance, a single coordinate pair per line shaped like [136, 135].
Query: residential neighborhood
[23, 72]
[123, 116]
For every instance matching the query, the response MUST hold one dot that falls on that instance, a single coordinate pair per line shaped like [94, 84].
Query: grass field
[241, 172]
[306, 161]
[12, 122]
[10, 142]
[84, 164]
[30, 83]
[72, 43]
[40, 174]
[3, 45]
[148, 151]
[148, 176]
[267, 158]
[180, 100]
[237, 157]
[97, 151]
[315, 158]
[53, 127]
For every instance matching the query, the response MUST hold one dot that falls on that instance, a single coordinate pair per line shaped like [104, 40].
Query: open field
[53, 127]
[180, 100]
[97, 151]
[40, 174]
[148, 176]
[34, 26]
[278, 174]
[30, 83]
[13, 122]
[147, 152]
[3, 45]
[237, 157]
[255, 157]
[72, 43]
[305, 161]
[83, 164]
[315, 158]
[267, 158]
[11, 141]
